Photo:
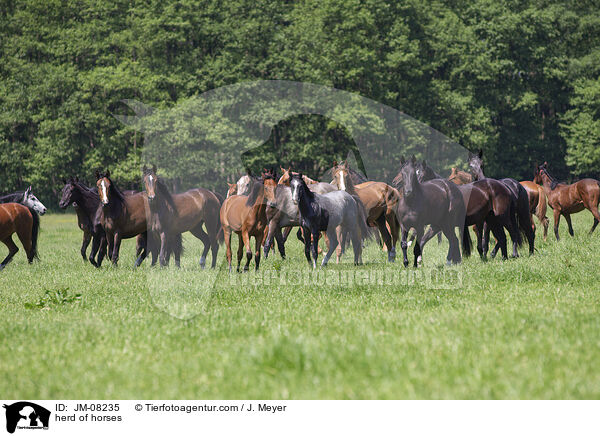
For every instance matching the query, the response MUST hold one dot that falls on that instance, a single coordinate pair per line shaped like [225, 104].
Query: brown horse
[171, 215]
[459, 177]
[16, 218]
[537, 204]
[567, 199]
[379, 200]
[122, 216]
[245, 215]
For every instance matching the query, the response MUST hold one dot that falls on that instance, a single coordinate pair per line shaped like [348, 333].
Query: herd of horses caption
[349, 210]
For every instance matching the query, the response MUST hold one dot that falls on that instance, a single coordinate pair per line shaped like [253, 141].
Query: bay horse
[336, 213]
[170, 215]
[19, 219]
[86, 202]
[379, 200]
[435, 202]
[537, 204]
[518, 192]
[245, 215]
[488, 202]
[567, 199]
[122, 216]
[26, 198]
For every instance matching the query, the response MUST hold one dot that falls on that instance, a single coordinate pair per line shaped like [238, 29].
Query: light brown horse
[173, 214]
[537, 204]
[245, 215]
[16, 218]
[379, 200]
[459, 177]
[567, 199]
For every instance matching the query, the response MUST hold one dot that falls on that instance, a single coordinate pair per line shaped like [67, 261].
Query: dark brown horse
[379, 200]
[170, 215]
[488, 202]
[521, 203]
[437, 203]
[16, 218]
[568, 199]
[122, 216]
[245, 215]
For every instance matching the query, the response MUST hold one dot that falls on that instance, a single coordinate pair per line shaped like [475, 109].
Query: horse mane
[553, 182]
[255, 190]
[115, 190]
[161, 187]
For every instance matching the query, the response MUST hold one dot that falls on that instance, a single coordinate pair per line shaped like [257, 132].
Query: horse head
[69, 193]
[150, 179]
[475, 163]
[32, 202]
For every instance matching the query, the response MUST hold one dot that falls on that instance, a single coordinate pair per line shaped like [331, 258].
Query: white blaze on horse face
[104, 196]
[151, 186]
[342, 183]
[294, 185]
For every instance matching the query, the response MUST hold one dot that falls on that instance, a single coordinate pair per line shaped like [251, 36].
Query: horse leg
[279, 238]
[417, 250]
[258, 244]
[498, 231]
[286, 233]
[480, 245]
[357, 246]
[142, 242]
[199, 233]
[163, 249]
[246, 239]
[453, 256]
[240, 252]
[12, 250]
[102, 250]
[556, 221]
[227, 239]
[116, 248]
[594, 211]
[385, 235]
[341, 237]
[94, 250]
[429, 234]
[87, 237]
[404, 246]
[333, 242]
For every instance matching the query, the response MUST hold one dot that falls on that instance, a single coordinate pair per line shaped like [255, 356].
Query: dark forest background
[518, 79]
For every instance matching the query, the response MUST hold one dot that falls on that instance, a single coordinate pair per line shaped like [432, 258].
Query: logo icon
[26, 415]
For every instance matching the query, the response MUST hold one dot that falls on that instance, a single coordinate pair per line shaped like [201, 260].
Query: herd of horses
[347, 211]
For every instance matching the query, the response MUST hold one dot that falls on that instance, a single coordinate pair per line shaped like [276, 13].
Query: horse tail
[365, 230]
[466, 241]
[220, 236]
[524, 214]
[540, 209]
[35, 231]
[515, 221]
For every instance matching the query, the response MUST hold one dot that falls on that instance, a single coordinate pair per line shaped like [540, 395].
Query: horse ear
[402, 160]
[108, 173]
[480, 153]
[424, 163]
[154, 168]
[335, 163]
[64, 181]
[545, 164]
[145, 168]
[28, 190]
[97, 175]
[413, 159]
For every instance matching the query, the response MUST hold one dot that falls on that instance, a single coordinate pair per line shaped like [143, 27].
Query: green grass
[524, 328]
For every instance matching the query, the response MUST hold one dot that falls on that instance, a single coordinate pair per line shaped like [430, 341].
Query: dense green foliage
[523, 328]
[517, 78]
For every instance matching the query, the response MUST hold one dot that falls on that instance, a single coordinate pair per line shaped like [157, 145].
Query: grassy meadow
[523, 328]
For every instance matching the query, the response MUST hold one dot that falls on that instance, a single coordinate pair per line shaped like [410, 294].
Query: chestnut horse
[567, 199]
[379, 200]
[246, 216]
[170, 215]
[459, 177]
[16, 218]
[537, 204]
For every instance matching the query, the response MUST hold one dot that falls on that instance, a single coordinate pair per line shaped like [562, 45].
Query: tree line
[518, 79]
